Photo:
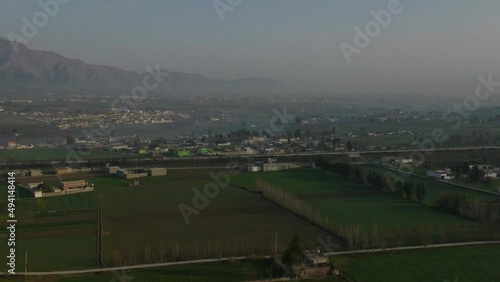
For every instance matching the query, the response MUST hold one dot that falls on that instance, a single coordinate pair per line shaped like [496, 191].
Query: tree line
[408, 188]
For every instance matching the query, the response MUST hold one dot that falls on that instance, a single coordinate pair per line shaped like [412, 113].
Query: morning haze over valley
[238, 140]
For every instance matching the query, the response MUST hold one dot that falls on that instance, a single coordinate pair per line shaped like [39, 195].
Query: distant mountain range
[33, 69]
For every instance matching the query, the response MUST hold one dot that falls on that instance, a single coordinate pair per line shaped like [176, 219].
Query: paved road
[439, 180]
[155, 265]
[342, 153]
[295, 155]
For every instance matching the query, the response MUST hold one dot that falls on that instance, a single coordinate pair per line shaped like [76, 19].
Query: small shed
[35, 172]
[111, 169]
[157, 171]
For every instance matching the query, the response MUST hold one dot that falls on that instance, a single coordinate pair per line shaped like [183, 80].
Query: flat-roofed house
[157, 171]
[69, 186]
[315, 264]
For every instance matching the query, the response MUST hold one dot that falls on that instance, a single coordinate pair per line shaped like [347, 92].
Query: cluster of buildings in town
[114, 116]
[203, 145]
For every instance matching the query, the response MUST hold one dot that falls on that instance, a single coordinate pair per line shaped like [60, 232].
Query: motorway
[166, 264]
[427, 151]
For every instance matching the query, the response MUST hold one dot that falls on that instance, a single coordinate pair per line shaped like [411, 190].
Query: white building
[490, 174]
[254, 168]
[440, 174]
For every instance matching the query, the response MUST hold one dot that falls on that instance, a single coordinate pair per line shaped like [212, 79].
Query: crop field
[463, 264]
[144, 223]
[350, 203]
[58, 233]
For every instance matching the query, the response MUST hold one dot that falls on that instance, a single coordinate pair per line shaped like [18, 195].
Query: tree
[362, 131]
[294, 255]
[349, 145]
[375, 179]
[43, 187]
[356, 174]
[70, 140]
[342, 169]
[308, 133]
[399, 189]
[297, 133]
[421, 192]
[408, 189]
[475, 174]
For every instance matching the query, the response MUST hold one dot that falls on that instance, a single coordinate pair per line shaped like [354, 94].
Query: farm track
[156, 265]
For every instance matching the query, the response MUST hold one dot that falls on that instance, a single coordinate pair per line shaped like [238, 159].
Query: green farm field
[351, 203]
[147, 218]
[144, 223]
[58, 233]
[463, 264]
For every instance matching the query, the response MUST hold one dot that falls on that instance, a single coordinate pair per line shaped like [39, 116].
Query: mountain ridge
[25, 68]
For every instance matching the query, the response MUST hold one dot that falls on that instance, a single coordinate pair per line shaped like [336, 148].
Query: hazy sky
[430, 47]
